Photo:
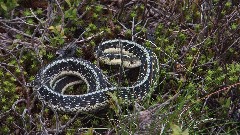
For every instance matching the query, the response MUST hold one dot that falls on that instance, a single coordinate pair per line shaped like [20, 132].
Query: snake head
[69, 51]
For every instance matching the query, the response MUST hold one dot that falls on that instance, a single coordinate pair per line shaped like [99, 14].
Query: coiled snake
[51, 81]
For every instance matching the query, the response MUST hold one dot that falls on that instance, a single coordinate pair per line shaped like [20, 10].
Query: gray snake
[52, 79]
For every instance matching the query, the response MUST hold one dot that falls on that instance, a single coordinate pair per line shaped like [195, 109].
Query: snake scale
[52, 80]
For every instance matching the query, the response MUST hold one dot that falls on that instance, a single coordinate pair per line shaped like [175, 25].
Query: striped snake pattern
[53, 79]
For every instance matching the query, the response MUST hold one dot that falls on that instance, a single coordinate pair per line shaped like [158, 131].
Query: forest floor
[197, 43]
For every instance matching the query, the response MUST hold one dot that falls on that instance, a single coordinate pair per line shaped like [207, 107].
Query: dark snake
[52, 80]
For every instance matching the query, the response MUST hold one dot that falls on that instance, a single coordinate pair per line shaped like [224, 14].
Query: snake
[54, 78]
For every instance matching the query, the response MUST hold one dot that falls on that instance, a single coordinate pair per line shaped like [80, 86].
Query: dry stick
[15, 103]
[28, 101]
[25, 87]
[83, 14]
[211, 60]
[20, 32]
[137, 23]
[35, 16]
[122, 25]
[171, 58]
[5, 113]
[220, 90]
[45, 131]
[133, 26]
[132, 29]
[11, 74]
[13, 29]
[36, 48]
[23, 120]
[136, 34]
[6, 64]
[23, 78]
[62, 14]
[89, 38]
[130, 3]
[217, 58]
[22, 83]
[152, 111]
[63, 127]
[155, 10]
[57, 121]
[34, 33]
[22, 116]
[69, 122]
[121, 9]
[49, 20]
[144, 10]
[201, 32]
[16, 41]
[19, 127]
[229, 47]
[157, 106]
[18, 21]
[81, 36]
[80, 5]
[15, 19]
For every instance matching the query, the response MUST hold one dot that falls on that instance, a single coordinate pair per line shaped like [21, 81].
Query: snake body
[52, 80]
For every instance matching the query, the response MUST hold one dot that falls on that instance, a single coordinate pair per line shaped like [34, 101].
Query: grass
[196, 43]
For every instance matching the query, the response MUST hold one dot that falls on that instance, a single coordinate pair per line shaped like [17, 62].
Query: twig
[17, 102]
[220, 90]
[89, 38]
[40, 116]
[13, 29]
[57, 122]
[122, 25]
[132, 29]
[62, 14]
[35, 16]
[136, 34]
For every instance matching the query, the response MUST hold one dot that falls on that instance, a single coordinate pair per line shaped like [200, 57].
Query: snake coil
[52, 80]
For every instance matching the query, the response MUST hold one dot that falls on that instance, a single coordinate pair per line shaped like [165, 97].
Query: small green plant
[6, 6]
[58, 37]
